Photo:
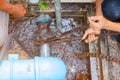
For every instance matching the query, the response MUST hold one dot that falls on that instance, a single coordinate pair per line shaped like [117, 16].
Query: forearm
[5, 6]
[113, 26]
[98, 7]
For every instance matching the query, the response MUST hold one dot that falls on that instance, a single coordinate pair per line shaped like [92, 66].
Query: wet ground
[26, 34]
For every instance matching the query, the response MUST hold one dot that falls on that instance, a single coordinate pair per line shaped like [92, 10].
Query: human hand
[90, 35]
[18, 10]
[97, 22]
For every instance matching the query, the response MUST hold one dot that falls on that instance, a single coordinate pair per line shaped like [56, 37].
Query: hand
[90, 35]
[97, 22]
[18, 10]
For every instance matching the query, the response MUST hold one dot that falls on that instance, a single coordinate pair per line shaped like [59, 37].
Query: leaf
[43, 5]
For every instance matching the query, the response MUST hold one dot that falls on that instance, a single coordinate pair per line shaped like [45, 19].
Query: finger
[22, 8]
[96, 38]
[93, 37]
[88, 39]
[90, 21]
[87, 32]
[85, 35]
[94, 18]
[89, 18]
[93, 24]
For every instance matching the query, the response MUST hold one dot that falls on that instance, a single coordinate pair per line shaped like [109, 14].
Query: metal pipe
[57, 4]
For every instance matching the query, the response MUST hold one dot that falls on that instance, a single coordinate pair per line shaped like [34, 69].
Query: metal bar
[105, 50]
[93, 62]
[100, 62]
[57, 4]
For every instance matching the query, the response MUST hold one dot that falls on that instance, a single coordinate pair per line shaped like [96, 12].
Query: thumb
[95, 18]
[91, 21]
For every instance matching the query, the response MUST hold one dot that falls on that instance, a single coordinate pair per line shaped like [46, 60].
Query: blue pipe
[39, 68]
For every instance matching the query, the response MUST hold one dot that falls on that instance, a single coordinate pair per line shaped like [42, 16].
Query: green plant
[42, 4]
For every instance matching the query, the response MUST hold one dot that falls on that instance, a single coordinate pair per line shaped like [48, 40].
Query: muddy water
[26, 34]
